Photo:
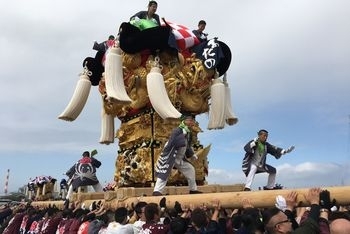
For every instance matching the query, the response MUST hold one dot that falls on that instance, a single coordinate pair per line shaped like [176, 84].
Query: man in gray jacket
[254, 160]
[176, 151]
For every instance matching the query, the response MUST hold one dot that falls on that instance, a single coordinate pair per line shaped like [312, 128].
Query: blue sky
[290, 74]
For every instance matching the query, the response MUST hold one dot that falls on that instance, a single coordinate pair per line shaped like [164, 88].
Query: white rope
[107, 128]
[217, 106]
[230, 116]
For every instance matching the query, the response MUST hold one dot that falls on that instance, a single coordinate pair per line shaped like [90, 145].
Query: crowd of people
[321, 216]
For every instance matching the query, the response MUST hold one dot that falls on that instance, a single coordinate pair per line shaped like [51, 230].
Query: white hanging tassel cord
[107, 128]
[115, 87]
[217, 105]
[79, 98]
[230, 116]
[158, 95]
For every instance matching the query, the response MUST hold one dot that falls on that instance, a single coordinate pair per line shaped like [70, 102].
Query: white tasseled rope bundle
[107, 128]
[217, 105]
[79, 98]
[114, 76]
[158, 95]
[230, 116]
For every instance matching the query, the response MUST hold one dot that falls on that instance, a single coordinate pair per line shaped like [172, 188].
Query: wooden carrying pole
[259, 199]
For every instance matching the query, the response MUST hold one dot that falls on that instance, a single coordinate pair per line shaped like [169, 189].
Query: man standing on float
[254, 160]
[176, 152]
[83, 173]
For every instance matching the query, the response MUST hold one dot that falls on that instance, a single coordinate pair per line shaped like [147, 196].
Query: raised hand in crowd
[291, 200]
[313, 195]
[246, 203]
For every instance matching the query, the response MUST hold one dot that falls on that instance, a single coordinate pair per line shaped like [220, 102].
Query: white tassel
[158, 95]
[114, 76]
[217, 106]
[107, 128]
[79, 98]
[231, 118]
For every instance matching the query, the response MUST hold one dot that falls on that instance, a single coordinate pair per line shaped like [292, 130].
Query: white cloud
[308, 174]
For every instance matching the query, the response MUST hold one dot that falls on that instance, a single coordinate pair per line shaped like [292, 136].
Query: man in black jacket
[83, 173]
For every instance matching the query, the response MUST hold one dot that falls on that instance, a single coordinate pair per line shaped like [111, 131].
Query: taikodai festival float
[148, 76]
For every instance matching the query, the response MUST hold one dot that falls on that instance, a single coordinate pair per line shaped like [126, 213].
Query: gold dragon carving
[142, 132]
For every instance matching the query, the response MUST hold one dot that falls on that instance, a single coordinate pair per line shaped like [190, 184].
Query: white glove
[253, 143]
[136, 19]
[281, 203]
[194, 157]
[334, 208]
[290, 149]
